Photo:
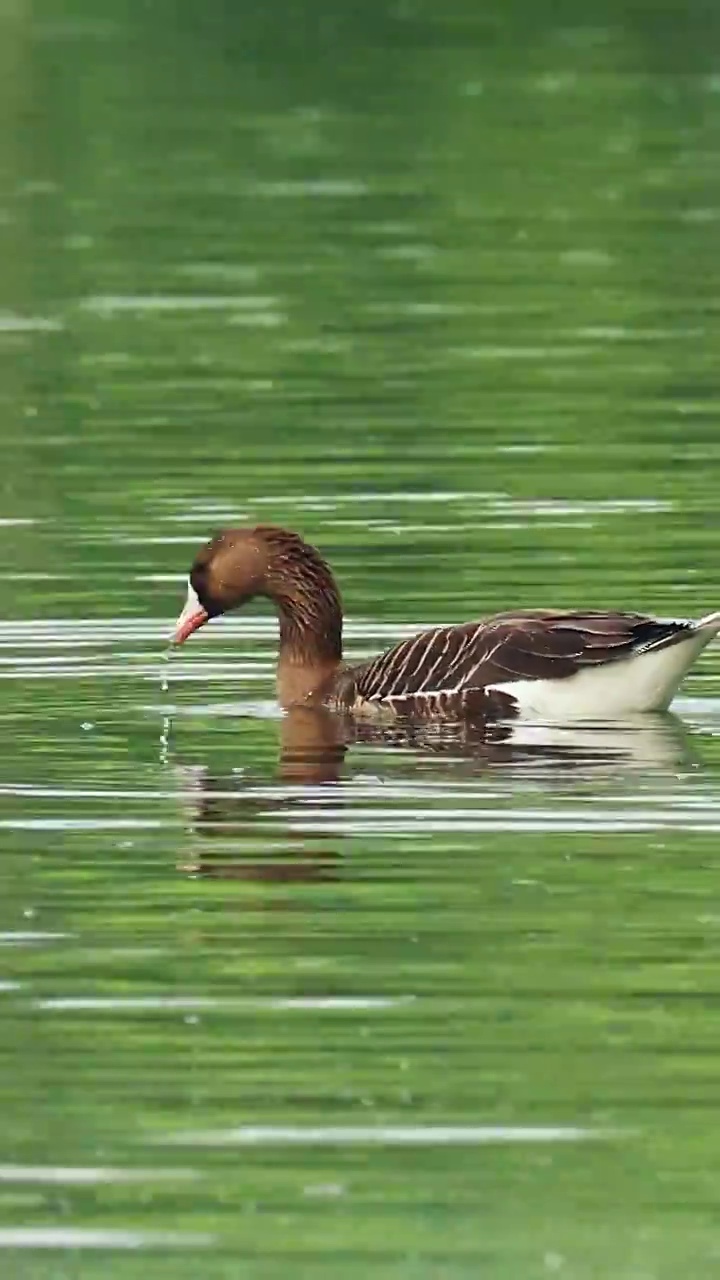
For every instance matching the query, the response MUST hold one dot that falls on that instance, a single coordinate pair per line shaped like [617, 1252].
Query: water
[439, 289]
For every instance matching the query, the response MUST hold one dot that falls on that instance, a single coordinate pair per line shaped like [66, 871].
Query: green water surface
[439, 286]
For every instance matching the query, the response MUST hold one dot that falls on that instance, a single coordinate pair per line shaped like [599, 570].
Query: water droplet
[165, 732]
[165, 740]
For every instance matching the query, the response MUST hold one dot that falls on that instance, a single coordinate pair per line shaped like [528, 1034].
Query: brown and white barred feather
[453, 669]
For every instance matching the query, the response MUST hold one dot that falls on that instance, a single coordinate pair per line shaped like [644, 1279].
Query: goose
[534, 664]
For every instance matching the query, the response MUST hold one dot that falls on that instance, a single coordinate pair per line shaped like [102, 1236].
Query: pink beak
[192, 617]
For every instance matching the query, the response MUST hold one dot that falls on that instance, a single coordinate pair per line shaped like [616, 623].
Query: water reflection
[225, 812]
[642, 742]
[291, 829]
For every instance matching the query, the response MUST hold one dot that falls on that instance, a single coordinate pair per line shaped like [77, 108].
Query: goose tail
[711, 622]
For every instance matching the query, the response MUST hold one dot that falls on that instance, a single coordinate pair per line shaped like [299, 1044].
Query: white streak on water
[385, 1135]
[401, 822]
[330, 1004]
[12, 323]
[87, 824]
[99, 1238]
[26, 937]
[111, 304]
[89, 1176]
[294, 188]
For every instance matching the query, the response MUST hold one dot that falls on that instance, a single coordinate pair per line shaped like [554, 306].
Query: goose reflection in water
[252, 831]
[231, 817]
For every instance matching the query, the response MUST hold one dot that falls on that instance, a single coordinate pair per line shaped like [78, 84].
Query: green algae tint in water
[437, 287]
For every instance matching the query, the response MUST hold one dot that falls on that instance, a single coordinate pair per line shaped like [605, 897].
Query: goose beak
[192, 617]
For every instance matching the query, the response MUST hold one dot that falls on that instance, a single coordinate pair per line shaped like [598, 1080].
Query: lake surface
[438, 288]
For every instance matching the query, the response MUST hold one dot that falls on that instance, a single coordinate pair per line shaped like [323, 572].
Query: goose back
[457, 667]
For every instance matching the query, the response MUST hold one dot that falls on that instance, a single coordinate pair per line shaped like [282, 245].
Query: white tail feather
[711, 620]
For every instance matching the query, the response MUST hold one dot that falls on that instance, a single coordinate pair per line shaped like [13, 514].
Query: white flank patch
[643, 682]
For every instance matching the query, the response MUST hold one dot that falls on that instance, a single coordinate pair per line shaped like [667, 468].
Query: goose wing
[510, 646]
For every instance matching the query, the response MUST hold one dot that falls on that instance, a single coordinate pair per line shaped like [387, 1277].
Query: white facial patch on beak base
[192, 617]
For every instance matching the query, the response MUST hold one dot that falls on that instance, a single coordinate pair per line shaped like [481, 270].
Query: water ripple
[386, 1135]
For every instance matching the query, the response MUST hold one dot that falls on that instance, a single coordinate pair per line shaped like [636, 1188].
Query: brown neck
[313, 745]
[310, 614]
